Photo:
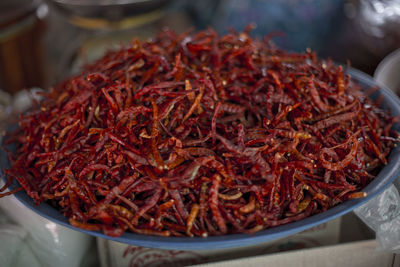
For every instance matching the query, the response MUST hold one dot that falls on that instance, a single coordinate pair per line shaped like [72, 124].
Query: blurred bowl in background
[388, 74]
[388, 71]
[96, 14]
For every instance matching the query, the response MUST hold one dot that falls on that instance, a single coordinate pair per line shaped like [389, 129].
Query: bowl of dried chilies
[196, 140]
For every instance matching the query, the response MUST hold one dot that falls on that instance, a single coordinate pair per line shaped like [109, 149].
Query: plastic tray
[387, 175]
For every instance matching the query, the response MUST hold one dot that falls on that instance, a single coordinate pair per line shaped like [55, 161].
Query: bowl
[386, 176]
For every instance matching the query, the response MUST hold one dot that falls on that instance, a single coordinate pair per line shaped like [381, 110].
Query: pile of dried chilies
[197, 135]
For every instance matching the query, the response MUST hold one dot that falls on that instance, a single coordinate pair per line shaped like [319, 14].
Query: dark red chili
[199, 135]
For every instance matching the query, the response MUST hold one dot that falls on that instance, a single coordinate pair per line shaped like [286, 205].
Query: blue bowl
[387, 175]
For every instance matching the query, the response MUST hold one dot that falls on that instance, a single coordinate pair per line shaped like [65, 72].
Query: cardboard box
[346, 241]
[355, 254]
[122, 255]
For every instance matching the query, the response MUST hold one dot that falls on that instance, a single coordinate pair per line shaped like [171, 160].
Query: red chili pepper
[198, 135]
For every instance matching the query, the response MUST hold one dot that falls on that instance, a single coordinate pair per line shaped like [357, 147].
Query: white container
[388, 72]
[52, 244]
[14, 250]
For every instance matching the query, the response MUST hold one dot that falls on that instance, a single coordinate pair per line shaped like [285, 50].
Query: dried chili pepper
[200, 135]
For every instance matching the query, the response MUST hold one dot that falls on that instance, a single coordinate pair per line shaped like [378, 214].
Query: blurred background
[42, 42]
[45, 41]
